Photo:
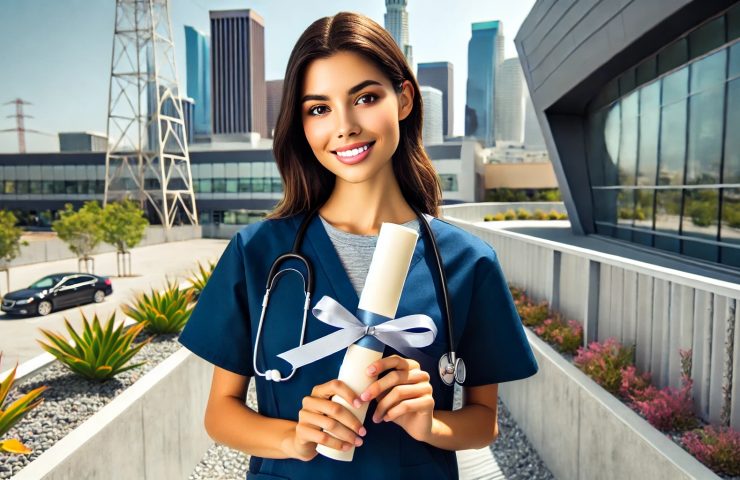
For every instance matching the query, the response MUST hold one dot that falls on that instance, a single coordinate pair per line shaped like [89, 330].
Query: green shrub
[162, 313]
[509, 214]
[532, 314]
[100, 352]
[539, 215]
[499, 217]
[523, 214]
[604, 362]
[553, 215]
[12, 413]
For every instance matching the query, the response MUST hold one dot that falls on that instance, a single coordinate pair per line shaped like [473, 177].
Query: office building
[396, 21]
[198, 77]
[238, 92]
[274, 95]
[432, 128]
[509, 101]
[440, 76]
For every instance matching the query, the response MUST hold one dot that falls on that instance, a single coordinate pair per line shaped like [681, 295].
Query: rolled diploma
[381, 294]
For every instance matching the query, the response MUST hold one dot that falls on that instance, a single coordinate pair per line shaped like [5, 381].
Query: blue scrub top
[222, 330]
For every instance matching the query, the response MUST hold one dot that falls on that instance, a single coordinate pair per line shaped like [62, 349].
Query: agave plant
[199, 279]
[11, 414]
[100, 352]
[166, 312]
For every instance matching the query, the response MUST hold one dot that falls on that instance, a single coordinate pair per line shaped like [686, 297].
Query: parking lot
[152, 266]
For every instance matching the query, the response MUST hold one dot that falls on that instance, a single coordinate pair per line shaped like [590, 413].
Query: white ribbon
[392, 333]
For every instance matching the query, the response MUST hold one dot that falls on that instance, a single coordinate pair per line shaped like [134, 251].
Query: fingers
[308, 434]
[337, 387]
[336, 411]
[394, 378]
[420, 404]
[329, 425]
[399, 395]
[394, 361]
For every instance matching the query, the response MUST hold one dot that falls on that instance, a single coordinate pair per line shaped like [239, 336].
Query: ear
[405, 100]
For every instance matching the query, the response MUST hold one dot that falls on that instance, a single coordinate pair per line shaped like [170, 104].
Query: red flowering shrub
[565, 336]
[716, 447]
[533, 314]
[604, 362]
[668, 408]
[633, 385]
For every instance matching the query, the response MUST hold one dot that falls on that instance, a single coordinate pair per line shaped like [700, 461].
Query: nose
[347, 124]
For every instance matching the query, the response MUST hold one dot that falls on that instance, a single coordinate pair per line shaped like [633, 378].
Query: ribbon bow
[391, 332]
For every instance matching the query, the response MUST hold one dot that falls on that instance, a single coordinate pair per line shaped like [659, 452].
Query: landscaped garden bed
[611, 365]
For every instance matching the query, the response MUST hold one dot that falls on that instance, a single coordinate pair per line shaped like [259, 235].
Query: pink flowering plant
[716, 447]
[668, 408]
[567, 337]
[633, 384]
[604, 362]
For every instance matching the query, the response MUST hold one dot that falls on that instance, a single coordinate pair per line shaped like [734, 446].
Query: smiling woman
[349, 149]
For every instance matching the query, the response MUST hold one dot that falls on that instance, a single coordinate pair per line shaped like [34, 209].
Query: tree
[10, 241]
[81, 230]
[123, 225]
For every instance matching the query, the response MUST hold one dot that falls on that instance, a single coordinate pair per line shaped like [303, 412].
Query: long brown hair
[307, 184]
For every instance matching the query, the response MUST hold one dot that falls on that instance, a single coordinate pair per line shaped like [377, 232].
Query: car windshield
[45, 282]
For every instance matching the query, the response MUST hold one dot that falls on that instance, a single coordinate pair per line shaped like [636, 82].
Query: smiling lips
[355, 153]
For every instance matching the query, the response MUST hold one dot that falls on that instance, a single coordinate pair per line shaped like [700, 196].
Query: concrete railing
[474, 212]
[581, 431]
[53, 249]
[657, 309]
[153, 430]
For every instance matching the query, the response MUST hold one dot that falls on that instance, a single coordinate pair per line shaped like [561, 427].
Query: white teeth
[354, 152]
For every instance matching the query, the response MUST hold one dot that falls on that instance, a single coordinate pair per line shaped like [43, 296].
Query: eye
[316, 110]
[368, 97]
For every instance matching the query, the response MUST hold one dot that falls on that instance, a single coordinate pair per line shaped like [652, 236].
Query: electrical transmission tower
[19, 122]
[147, 156]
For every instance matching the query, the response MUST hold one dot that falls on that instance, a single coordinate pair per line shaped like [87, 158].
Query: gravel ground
[70, 400]
[512, 451]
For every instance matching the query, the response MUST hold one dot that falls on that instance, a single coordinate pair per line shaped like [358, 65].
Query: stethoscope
[451, 367]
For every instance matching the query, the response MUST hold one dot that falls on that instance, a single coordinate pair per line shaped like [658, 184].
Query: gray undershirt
[356, 251]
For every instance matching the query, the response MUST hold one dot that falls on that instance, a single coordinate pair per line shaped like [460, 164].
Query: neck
[361, 208]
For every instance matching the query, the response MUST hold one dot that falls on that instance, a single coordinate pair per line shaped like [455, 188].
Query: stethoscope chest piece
[452, 369]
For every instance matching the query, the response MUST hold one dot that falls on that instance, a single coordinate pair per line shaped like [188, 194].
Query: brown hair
[307, 184]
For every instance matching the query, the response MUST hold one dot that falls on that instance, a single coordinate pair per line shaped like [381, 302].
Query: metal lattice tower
[147, 157]
[20, 128]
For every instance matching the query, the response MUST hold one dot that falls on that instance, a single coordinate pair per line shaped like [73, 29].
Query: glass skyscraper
[440, 76]
[198, 72]
[239, 103]
[397, 23]
[485, 53]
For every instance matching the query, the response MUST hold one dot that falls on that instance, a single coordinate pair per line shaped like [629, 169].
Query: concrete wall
[52, 249]
[658, 309]
[582, 432]
[138, 434]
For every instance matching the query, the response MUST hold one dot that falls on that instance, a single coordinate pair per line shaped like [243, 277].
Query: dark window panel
[649, 125]
[704, 251]
[700, 214]
[730, 229]
[612, 133]
[596, 148]
[705, 136]
[627, 82]
[605, 205]
[626, 207]
[673, 56]
[672, 144]
[231, 185]
[733, 23]
[608, 230]
[667, 211]
[647, 70]
[628, 140]
[707, 38]
[245, 185]
[644, 208]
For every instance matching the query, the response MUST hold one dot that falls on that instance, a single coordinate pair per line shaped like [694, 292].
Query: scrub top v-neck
[223, 325]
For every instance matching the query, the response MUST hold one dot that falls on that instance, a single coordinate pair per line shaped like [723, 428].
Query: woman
[348, 145]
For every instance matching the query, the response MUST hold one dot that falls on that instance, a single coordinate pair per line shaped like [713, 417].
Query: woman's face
[350, 115]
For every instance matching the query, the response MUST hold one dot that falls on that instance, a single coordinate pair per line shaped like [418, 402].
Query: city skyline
[54, 73]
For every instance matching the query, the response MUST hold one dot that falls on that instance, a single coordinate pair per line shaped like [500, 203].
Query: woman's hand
[404, 395]
[341, 429]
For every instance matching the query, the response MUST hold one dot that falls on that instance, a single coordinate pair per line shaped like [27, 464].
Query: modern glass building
[238, 92]
[432, 128]
[643, 128]
[485, 53]
[198, 74]
[440, 76]
[396, 21]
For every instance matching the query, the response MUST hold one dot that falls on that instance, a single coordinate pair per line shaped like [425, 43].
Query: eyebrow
[353, 90]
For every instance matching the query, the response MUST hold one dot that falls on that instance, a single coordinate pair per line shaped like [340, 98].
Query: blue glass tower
[198, 71]
[485, 53]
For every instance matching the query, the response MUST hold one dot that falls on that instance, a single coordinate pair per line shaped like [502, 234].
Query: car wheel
[44, 307]
[98, 296]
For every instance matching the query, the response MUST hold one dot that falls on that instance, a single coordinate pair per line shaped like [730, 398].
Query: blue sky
[56, 53]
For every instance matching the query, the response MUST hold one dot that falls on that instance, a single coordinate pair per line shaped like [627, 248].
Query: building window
[448, 181]
[664, 159]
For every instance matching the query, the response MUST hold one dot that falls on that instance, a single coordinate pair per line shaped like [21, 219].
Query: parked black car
[57, 291]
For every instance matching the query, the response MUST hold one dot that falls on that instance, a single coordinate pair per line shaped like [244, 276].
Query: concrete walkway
[151, 265]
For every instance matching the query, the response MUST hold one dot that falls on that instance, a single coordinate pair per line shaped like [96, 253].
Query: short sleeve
[493, 344]
[219, 327]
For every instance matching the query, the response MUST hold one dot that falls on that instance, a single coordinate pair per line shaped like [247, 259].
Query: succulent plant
[11, 414]
[100, 352]
[199, 279]
[167, 312]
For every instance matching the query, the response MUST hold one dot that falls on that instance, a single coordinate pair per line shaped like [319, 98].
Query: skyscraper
[198, 73]
[238, 89]
[396, 21]
[274, 95]
[432, 128]
[439, 75]
[509, 102]
[485, 53]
